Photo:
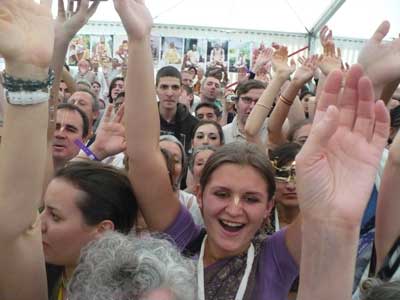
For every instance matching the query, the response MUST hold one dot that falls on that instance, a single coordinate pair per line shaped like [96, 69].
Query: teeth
[232, 224]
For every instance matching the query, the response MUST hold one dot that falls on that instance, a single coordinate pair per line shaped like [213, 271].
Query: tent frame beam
[325, 17]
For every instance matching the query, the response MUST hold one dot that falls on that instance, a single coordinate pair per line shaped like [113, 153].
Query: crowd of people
[181, 186]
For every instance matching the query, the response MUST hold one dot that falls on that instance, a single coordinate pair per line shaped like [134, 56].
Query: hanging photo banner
[120, 47]
[79, 48]
[239, 56]
[101, 48]
[171, 51]
[155, 48]
[217, 53]
[195, 53]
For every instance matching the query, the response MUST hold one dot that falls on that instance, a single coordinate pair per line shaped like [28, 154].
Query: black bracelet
[12, 84]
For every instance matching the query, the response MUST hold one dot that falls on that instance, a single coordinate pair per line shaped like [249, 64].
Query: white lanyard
[277, 227]
[243, 283]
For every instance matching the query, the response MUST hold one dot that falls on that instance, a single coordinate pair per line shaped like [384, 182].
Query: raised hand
[336, 167]
[110, 136]
[331, 59]
[280, 61]
[69, 22]
[263, 61]
[306, 70]
[381, 61]
[325, 36]
[26, 36]
[135, 17]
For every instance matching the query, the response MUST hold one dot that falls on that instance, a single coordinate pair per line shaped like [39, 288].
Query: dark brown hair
[243, 154]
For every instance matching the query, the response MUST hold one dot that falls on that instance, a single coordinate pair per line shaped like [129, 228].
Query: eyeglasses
[285, 174]
[248, 100]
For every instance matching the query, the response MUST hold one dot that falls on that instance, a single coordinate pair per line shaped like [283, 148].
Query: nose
[206, 141]
[252, 104]
[234, 208]
[291, 185]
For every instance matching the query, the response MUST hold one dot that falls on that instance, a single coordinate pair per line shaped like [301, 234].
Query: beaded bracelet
[12, 84]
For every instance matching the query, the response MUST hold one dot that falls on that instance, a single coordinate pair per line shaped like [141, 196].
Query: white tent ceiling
[354, 19]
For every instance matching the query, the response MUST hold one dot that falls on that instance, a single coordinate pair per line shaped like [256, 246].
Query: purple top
[276, 269]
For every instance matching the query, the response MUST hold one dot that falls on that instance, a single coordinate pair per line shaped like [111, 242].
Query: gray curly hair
[120, 267]
[376, 289]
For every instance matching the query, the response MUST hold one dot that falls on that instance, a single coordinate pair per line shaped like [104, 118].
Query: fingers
[93, 7]
[321, 133]
[381, 32]
[108, 113]
[348, 101]
[365, 116]
[330, 94]
[120, 114]
[382, 125]
[61, 9]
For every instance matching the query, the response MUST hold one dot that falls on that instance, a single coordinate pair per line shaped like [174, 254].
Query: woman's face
[199, 162]
[95, 88]
[119, 86]
[206, 134]
[286, 194]
[176, 155]
[64, 231]
[301, 135]
[234, 205]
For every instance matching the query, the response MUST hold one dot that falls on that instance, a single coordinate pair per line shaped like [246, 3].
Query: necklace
[243, 282]
[62, 288]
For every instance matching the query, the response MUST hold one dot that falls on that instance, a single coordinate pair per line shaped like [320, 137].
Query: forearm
[387, 220]
[57, 64]
[263, 107]
[23, 152]
[280, 113]
[388, 91]
[69, 81]
[141, 123]
[159, 205]
[327, 261]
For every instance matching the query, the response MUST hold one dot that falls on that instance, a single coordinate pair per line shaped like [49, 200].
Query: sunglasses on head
[286, 173]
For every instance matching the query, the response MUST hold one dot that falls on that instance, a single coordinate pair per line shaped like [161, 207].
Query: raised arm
[264, 105]
[381, 62]
[345, 145]
[287, 99]
[387, 220]
[26, 42]
[148, 170]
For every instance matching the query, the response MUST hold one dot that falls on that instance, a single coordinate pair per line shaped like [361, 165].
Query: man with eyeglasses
[247, 94]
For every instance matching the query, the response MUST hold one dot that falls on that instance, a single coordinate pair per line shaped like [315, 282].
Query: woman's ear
[270, 206]
[104, 226]
[199, 195]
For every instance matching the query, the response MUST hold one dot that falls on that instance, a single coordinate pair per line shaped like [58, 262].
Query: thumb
[320, 134]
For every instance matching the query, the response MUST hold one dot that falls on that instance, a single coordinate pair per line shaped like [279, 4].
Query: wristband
[26, 98]
[86, 150]
[12, 84]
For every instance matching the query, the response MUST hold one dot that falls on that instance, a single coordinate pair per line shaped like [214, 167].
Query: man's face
[84, 101]
[246, 102]
[168, 91]
[69, 127]
[187, 79]
[83, 66]
[210, 88]
[206, 113]
[115, 63]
